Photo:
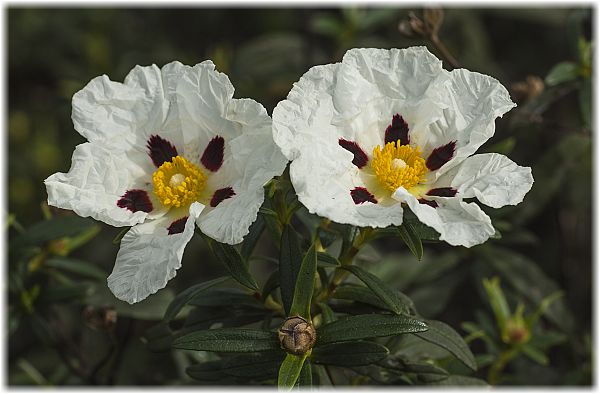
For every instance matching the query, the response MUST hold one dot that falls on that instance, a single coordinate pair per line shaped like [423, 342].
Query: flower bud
[296, 335]
[515, 332]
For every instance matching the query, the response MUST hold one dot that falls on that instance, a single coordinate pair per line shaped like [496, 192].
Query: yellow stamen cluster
[178, 182]
[398, 165]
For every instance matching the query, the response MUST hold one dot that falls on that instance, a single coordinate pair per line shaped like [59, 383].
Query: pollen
[178, 182]
[398, 165]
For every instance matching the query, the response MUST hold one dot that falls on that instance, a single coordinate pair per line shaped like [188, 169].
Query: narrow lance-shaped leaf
[326, 260]
[234, 263]
[270, 285]
[188, 294]
[250, 240]
[228, 340]
[305, 378]
[381, 289]
[367, 326]
[327, 313]
[410, 237]
[305, 283]
[290, 371]
[348, 354]
[290, 259]
[443, 335]
[254, 365]
[58, 227]
[76, 266]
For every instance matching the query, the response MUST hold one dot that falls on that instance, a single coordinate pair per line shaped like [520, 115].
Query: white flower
[386, 127]
[168, 148]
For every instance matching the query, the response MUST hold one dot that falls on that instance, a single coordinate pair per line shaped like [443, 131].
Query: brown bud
[296, 335]
[529, 89]
[100, 318]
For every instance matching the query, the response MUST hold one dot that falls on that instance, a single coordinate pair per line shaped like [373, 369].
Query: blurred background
[65, 328]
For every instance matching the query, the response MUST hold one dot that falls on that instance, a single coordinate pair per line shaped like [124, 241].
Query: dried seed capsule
[296, 335]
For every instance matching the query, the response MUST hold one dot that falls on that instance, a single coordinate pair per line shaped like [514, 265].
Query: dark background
[54, 52]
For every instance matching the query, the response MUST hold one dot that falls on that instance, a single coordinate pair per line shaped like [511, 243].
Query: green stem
[499, 365]
[346, 259]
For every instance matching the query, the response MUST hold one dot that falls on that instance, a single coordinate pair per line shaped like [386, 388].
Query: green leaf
[268, 212]
[562, 72]
[305, 284]
[458, 380]
[326, 25]
[381, 289]
[250, 240]
[158, 338]
[290, 259]
[234, 263]
[432, 371]
[347, 354]
[326, 260]
[535, 354]
[327, 313]
[423, 231]
[117, 239]
[188, 294]
[367, 326]
[410, 237]
[305, 377]
[55, 228]
[290, 371]
[585, 102]
[75, 266]
[326, 236]
[270, 285]
[65, 293]
[497, 301]
[208, 371]
[225, 297]
[443, 335]
[359, 294]
[228, 340]
[254, 365]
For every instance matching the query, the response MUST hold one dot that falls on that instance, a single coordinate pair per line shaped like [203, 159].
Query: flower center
[398, 165]
[178, 182]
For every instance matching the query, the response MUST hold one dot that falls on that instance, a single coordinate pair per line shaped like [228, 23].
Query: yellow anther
[178, 182]
[398, 165]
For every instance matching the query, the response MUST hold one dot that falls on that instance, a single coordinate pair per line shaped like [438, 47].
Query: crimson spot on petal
[160, 150]
[443, 192]
[361, 195]
[220, 195]
[398, 130]
[212, 158]
[440, 156]
[360, 158]
[428, 202]
[177, 226]
[135, 200]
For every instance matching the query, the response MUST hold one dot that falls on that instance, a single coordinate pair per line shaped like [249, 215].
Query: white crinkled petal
[407, 74]
[203, 95]
[493, 178]
[97, 179]
[458, 222]
[104, 109]
[474, 102]
[304, 118]
[149, 257]
[252, 159]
